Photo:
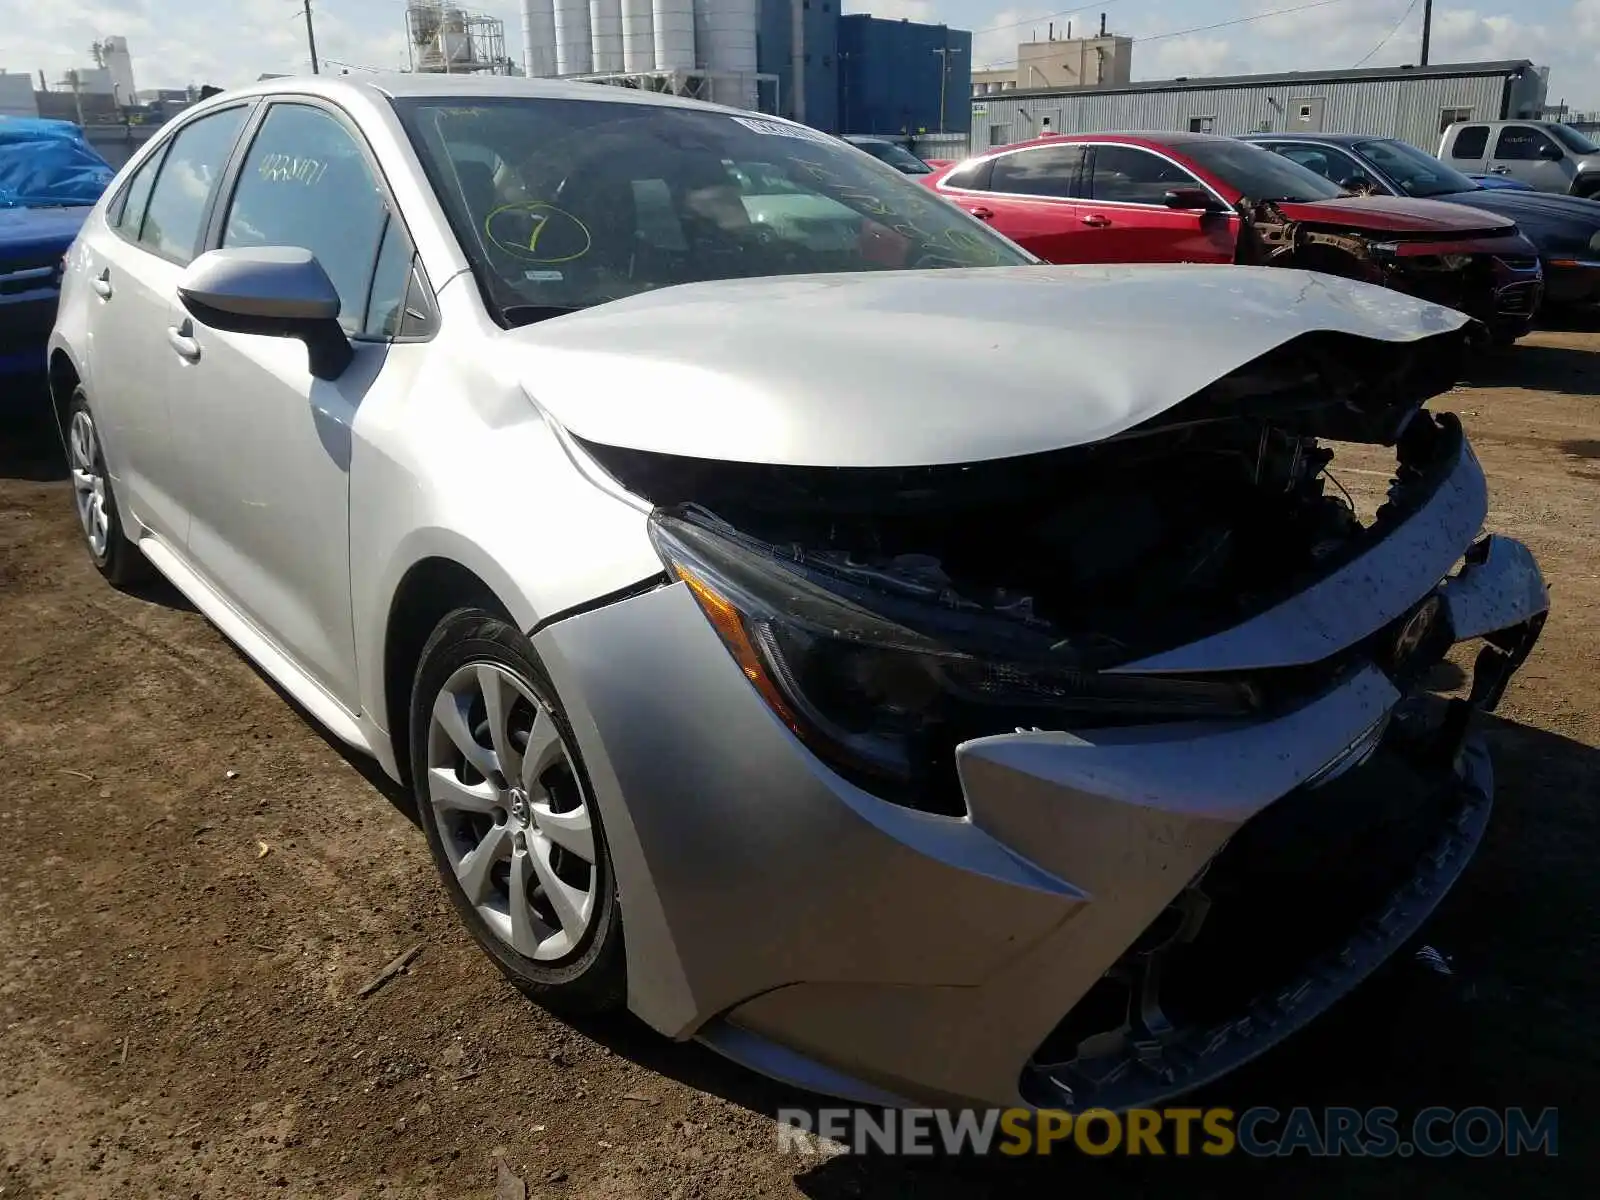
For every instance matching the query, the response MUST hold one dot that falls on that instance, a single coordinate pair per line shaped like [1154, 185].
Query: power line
[1159, 37]
[1410, 8]
[1065, 12]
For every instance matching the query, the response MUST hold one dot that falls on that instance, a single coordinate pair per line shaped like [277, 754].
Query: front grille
[1517, 299]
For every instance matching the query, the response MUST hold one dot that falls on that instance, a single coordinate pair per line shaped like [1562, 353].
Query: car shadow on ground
[30, 446]
[1536, 368]
[1512, 1025]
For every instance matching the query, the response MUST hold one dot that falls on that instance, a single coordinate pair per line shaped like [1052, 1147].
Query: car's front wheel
[114, 553]
[510, 816]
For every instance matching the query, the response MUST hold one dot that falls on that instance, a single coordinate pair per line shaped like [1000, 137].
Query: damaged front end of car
[1173, 668]
[1493, 276]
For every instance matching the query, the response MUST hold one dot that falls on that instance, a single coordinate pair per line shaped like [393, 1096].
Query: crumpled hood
[919, 368]
[1395, 214]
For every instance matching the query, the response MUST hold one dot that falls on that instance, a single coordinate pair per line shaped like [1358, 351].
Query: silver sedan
[920, 674]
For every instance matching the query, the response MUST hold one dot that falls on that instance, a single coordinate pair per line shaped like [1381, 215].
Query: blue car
[50, 177]
[1501, 182]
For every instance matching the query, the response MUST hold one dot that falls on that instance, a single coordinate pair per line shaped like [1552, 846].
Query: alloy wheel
[511, 814]
[88, 482]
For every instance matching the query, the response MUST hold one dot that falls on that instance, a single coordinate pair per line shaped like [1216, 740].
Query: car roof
[426, 85]
[1332, 139]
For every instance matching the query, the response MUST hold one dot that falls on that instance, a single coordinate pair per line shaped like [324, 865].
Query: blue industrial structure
[893, 76]
[819, 59]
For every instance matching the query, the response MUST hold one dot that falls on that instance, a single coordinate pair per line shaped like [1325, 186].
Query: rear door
[153, 229]
[1467, 149]
[1528, 153]
[1031, 197]
[1129, 221]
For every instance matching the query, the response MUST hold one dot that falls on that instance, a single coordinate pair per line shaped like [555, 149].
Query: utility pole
[311, 39]
[1427, 28]
[944, 53]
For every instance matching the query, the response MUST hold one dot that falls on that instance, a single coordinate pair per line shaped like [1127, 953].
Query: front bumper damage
[1049, 948]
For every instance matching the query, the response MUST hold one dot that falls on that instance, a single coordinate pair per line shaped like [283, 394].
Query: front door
[1129, 220]
[1528, 153]
[269, 445]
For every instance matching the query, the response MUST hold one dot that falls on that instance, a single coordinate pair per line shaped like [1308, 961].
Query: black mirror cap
[1191, 197]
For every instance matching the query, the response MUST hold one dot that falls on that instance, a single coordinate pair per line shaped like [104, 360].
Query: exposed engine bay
[1097, 553]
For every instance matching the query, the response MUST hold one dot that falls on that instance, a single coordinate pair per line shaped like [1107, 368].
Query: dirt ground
[195, 886]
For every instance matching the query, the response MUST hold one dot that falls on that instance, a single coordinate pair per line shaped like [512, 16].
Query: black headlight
[883, 701]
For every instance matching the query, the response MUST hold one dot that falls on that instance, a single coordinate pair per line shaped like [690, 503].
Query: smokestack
[1069, 31]
[1052, 34]
[1102, 24]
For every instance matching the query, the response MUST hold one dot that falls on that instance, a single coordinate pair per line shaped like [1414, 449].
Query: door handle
[181, 339]
[983, 214]
[101, 284]
[1499, 170]
[1096, 221]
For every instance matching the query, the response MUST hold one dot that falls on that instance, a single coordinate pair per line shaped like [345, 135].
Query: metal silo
[730, 49]
[539, 37]
[638, 36]
[573, 51]
[605, 25]
[674, 32]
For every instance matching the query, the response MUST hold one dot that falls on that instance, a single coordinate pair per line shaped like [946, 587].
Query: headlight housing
[884, 687]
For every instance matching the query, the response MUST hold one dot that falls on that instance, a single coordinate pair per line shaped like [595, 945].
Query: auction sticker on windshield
[784, 129]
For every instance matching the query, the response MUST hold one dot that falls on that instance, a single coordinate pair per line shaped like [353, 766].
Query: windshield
[563, 204]
[1418, 174]
[897, 157]
[1572, 139]
[1259, 174]
[48, 164]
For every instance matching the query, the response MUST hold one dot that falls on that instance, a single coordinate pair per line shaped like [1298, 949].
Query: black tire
[121, 563]
[592, 978]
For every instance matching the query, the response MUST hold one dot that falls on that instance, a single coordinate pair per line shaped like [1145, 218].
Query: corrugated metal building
[1411, 103]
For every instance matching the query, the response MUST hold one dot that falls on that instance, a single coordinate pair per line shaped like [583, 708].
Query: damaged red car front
[1154, 197]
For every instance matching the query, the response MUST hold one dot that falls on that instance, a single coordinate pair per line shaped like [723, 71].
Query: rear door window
[1045, 171]
[175, 214]
[1470, 142]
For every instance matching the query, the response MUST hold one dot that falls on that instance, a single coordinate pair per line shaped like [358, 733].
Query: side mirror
[270, 291]
[1550, 153]
[1190, 197]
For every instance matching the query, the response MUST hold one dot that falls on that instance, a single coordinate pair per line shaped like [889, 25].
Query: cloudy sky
[176, 42]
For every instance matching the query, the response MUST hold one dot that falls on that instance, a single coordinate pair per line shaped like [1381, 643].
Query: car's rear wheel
[115, 555]
[510, 815]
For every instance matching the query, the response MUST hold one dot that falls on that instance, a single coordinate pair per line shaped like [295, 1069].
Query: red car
[1192, 197]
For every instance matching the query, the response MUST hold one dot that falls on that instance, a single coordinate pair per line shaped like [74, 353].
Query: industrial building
[902, 77]
[795, 58]
[1104, 60]
[1414, 104]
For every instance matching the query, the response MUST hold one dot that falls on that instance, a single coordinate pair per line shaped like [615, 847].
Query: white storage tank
[573, 48]
[605, 22]
[674, 33]
[539, 38]
[730, 48]
[638, 36]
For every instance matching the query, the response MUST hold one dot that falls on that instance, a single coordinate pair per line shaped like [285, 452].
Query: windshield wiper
[518, 315]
